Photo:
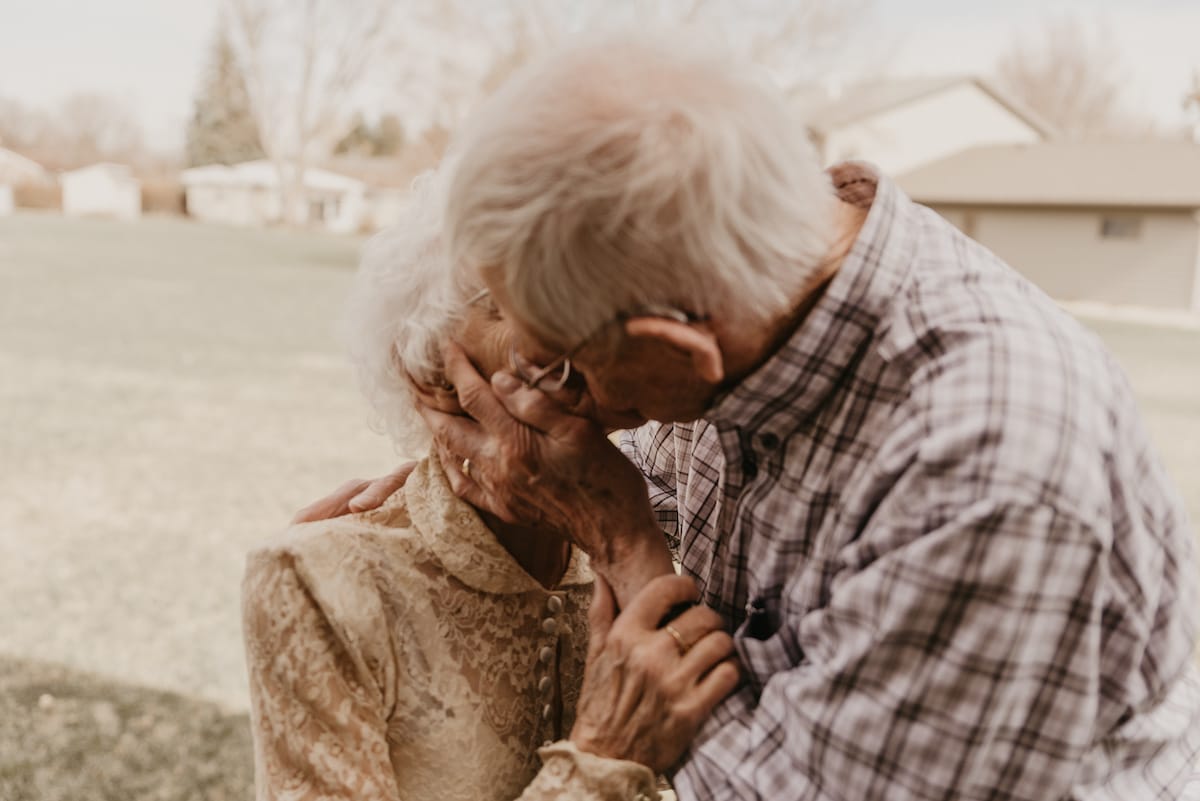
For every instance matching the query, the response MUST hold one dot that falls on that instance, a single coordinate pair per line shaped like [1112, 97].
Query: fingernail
[505, 382]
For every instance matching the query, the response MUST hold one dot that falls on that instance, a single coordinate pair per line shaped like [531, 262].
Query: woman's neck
[542, 555]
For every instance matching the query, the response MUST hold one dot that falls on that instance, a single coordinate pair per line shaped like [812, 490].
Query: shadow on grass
[67, 735]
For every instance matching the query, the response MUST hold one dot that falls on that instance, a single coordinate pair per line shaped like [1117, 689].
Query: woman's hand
[647, 690]
[356, 495]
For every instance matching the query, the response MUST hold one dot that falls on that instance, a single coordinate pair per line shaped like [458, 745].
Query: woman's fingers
[379, 490]
[474, 391]
[694, 624]
[712, 688]
[335, 505]
[654, 600]
[709, 651]
[533, 407]
[444, 400]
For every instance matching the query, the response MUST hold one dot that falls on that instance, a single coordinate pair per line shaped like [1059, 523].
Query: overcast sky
[150, 52]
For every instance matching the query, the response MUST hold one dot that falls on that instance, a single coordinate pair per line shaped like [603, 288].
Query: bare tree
[1191, 105]
[21, 126]
[87, 127]
[305, 62]
[98, 126]
[1070, 73]
[457, 51]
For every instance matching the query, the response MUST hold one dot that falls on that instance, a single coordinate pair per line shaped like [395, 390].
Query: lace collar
[467, 549]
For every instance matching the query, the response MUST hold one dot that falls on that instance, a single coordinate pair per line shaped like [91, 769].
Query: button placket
[554, 630]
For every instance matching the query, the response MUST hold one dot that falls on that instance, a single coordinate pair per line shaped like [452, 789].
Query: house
[16, 170]
[901, 124]
[249, 194]
[388, 179]
[102, 190]
[1103, 222]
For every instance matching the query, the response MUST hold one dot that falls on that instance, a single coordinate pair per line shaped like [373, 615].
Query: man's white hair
[628, 171]
[404, 304]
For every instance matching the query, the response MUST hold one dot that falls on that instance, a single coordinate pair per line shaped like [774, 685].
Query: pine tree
[222, 129]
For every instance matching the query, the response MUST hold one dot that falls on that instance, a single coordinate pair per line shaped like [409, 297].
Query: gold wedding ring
[466, 467]
[677, 637]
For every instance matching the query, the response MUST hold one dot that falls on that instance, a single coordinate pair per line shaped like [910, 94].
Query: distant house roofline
[20, 168]
[262, 173]
[863, 100]
[1133, 174]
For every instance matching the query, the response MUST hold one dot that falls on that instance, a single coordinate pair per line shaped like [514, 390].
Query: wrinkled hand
[534, 464]
[356, 495]
[642, 699]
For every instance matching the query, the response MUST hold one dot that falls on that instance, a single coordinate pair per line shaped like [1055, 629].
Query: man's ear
[698, 342]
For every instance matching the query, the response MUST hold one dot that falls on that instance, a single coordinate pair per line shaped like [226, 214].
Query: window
[1126, 226]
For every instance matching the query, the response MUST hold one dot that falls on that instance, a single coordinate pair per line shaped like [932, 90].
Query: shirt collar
[790, 386]
[466, 548]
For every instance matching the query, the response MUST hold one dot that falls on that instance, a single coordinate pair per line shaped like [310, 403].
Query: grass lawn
[172, 392]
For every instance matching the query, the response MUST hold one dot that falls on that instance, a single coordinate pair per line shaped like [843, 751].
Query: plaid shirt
[952, 565]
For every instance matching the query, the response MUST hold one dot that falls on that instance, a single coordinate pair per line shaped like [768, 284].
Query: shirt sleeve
[950, 662]
[651, 449]
[319, 729]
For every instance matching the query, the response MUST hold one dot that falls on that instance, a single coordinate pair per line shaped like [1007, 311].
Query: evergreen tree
[222, 129]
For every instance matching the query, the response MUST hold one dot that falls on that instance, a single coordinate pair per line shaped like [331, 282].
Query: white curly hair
[404, 303]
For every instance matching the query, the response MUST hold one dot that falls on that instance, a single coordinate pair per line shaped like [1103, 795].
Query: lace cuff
[568, 773]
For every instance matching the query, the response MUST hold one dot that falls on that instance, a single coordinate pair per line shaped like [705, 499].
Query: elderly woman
[420, 650]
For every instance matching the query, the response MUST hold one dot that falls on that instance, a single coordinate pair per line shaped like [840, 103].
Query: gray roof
[825, 112]
[1157, 174]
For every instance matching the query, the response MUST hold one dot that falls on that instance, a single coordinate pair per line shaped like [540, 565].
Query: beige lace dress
[404, 654]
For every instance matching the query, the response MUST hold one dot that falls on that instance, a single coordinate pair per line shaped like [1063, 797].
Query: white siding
[1196, 272]
[928, 129]
[101, 191]
[233, 205]
[1064, 252]
[6, 200]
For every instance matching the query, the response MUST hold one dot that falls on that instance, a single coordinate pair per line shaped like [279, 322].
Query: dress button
[544, 685]
[546, 655]
[547, 711]
[554, 604]
[550, 626]
[547, 743]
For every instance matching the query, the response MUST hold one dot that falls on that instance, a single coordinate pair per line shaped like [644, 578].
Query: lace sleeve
[319, 731]
[569, 774]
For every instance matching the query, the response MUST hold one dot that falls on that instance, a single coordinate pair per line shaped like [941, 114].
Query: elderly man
[918, 493]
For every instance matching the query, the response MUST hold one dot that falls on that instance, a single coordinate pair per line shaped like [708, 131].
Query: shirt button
[547, 711]
[554, 604]
[544, 685]
[769, 441]
[546, 655]
[750, 467]
[550, 626]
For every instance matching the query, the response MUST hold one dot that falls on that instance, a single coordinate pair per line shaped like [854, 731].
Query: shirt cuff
[605, 779]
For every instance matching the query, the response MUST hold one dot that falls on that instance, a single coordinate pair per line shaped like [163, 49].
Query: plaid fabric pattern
[952, 565]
